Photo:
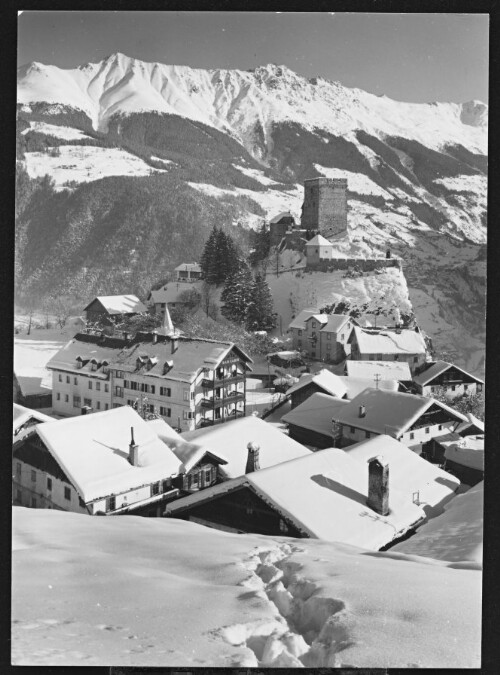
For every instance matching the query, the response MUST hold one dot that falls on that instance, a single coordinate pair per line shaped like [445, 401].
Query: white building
[384, 345]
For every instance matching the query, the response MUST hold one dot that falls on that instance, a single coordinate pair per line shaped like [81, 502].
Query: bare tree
[62, 310]
[208, 300]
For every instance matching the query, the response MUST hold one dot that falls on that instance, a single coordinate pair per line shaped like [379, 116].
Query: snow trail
[308, 630]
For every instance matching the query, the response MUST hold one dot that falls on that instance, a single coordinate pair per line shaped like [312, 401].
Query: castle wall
[366, 265]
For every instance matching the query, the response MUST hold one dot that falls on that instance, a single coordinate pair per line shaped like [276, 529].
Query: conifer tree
[208, 261]
[260, 313]
[237, 295]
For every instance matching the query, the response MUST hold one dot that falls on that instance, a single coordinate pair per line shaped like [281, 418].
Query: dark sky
[409, 57]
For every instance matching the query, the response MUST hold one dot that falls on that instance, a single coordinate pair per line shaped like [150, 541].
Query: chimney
[398, 328]
[174, 343]
[253, 458]
[133, 450]
[378, 485]
[155, 337]
[361, 411]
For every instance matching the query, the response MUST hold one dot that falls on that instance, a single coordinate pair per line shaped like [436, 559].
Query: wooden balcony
[206, 422]
[219, 382]
[223, 400]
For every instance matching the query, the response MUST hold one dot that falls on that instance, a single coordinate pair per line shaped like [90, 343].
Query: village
[349, 432]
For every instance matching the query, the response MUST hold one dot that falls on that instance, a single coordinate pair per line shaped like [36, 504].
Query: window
[283, 526]
[440, 427]
[426, 430]
[18, 468]
[106, 388]
[60, 377]
[98, 386]
[119, 391]
[479, 387]
[300, 332]
[313, 324]
[208, 475]
[58, 396]
[367, 434]
[152, 388]
[66, 398]
[67, 379]
[75, 380]
[328, 347]
[90, 384]
[87, 402]
[352, 430]
[415, 359]
[188, 415]
[328, 336]
[134, 386]
[119, 373]
[165, 486]
[165, 391]
[466, 386]
[77, 401]
[106, 406]
[165, 412]
[412, 435]
[194, 478]
[98, 405]
[33, 476]
[453, 387]
[67, 494]
[150, 407]
[111, 505]
[155, 489]
[33, 502]
[185, 394]
[49, 483]
[93, 366]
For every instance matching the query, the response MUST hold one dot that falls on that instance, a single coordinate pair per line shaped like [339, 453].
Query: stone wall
[364, 264]
[325, 205]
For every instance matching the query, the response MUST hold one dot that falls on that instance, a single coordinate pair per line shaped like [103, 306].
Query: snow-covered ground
[85, 163]
[66, 133]
[294, 291]
[357, 182]
[159, 592]
[32, 353]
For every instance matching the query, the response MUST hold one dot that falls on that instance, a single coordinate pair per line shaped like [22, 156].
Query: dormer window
[152, 361]
[105, 367]
[93, 365]
[79, 362]
[168, 365]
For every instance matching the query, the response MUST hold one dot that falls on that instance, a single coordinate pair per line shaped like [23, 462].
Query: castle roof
[319, 240]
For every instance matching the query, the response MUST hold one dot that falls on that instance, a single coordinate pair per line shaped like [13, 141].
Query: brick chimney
[133, 450]
[253, 458]
[362, 411]
[378, 485]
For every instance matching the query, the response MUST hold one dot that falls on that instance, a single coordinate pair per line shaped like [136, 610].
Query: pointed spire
[167, 327]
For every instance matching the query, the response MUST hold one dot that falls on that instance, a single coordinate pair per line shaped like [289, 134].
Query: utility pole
[377, 379]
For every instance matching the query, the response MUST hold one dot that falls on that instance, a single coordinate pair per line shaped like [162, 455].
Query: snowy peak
[243, 102]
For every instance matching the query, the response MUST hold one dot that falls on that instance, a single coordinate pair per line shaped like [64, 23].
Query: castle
[324, 212]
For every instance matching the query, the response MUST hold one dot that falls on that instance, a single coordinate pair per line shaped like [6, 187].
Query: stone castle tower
[325, 205]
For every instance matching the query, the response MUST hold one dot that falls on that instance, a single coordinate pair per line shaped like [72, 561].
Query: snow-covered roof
[171, 291]
[467, 451]
[333, 490]
[389, 342]
[120, 304]
[388, 412]
[407, 470]
[455, 535]
[188, 267]
[301, 318]
[315, 413]
[284, 214]
[93, 452]
[230, 441]
[326, 380]
[336, 322]
[186, 361]
[355, 385]
[439, 367]
[388, 370]
[472, 421]
[191, 453]
[21, 415]
[163, 430]
[319, 240]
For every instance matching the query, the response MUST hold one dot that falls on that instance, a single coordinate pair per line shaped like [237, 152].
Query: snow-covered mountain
[233, 147]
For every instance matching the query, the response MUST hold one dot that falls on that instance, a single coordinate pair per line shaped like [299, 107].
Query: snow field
[165, 592]
[66, 133]
[85, 163]
[357, 182]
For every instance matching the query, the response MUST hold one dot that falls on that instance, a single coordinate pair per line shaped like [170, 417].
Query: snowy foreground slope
[158, 592]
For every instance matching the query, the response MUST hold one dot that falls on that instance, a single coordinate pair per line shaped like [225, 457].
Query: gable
[95, 306]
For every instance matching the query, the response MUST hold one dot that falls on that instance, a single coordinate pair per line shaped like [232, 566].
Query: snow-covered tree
[237, 295]
[260, 313]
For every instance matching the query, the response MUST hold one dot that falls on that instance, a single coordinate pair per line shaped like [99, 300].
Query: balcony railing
[219, 381]
[222, 400]
[207, 422]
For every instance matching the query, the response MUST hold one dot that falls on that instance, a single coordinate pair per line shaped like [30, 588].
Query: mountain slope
[237, 146]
